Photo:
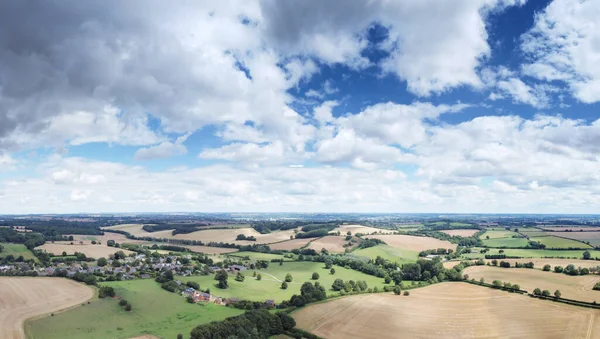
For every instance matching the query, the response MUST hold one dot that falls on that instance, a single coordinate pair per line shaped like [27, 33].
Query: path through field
[22, 298]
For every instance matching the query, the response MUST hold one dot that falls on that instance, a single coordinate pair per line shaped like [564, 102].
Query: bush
[128, 307]
[193, 285]
[106, 291]
[284, 285]
[546, 268]
[288, 277]
[122, 302]
[315, 276]
[406, 293]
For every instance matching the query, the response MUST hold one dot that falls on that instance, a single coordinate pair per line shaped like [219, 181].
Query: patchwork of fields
[447, 310]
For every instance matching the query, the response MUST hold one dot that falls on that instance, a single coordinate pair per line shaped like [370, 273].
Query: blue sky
[435, 106]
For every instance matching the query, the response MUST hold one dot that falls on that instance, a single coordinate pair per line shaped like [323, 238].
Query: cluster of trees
[106, 291]
[506, 264]
[439, 251]
[309, 292]
[505, 285]
[545, 293]
[597, 286]
[370, 243]
[221, 277]
[125, 304]
[30, 240]
[244, 237]
[252, 324]
[570, 270]
[349, 286]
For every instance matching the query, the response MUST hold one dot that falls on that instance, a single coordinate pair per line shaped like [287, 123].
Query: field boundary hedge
[496, 287]
[567, 301]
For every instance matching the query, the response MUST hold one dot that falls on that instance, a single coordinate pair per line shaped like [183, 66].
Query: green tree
[180, 336]
[558, 269]
[122, 302]
[545, 293]
[537, 291]
[482, 280]
[397, 290]
[102, 262]
[222, 276]
[284, 285]
[546, 268]
[64, 254]
[516, 287]
[240, 277]
[497, 283]
[387, 279]
[288, 277]
[190, 299]
[338, 285]
[332, 271]
[259, 277]
[315, 276]
[557, 294]
[128, 307]
[587, 255]
[169, 275]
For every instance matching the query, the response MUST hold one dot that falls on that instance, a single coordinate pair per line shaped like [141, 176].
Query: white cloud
[163, 150]
[564, 45]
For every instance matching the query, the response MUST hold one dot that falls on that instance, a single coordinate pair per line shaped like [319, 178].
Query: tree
[516, 287]
[123, 302]
[558, 269]
[406, 293]
[315, 276]
[332, 271]
[222, 276]
[587, 255]
[190, 299]
[557, 294]
[281, 262]
[64, 254]
[481, 280]
[106, 291]
[254, 274]
[545, 293]
[537, 291]
[497, 283]
[387, 279]
[193, 285]
[259, 277]
[180, 336]
[128, 307]
[93, 242]
[102, 262]
[397, 290]
[284, 285]
[288, 277]
[169, 275]
[240, 277]
[338, 285]
[546, 268]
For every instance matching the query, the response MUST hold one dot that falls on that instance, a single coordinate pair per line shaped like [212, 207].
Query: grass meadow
[155, 311]
[390, 253]
[16, 250]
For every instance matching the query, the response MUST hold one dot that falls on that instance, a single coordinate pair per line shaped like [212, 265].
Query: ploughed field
[22, 298]
[571, 287]
[447, 310]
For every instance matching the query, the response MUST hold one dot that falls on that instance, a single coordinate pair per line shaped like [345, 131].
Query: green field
[497, 234]
[506, 242]
[556, 242]
[155, 311]
[257, 256]
[16, 250]
[388, 252]
[270, 288]
[532, 253]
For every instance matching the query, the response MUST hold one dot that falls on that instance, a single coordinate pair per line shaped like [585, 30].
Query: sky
[478, 106]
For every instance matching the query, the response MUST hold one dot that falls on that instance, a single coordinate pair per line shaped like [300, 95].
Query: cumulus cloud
[163, 150]
[563, 46]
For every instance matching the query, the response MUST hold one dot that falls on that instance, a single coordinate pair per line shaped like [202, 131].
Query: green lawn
[16, 250]
[531, 253]
[556, 242]
[270, 288]
[388, 252]
[257, 256]
[155, 311]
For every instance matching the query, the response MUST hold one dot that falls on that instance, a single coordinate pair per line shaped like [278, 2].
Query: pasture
[447, 310]
[16, 250]
[506, 242]
[532, 253]
[92, 251]
[270, 285]
[22, 298]
[390, 253]
[413, 243]
[556, 242]
[497, 234]
[460, 232]
[257, 256]
[571, 287]
[332, 243]
[155, 312]
[592, 237]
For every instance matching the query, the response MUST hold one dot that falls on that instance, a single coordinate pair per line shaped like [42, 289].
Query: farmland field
[23, 298]
[413, 243]
[556, 242]
[571, 228]
[506, 242]
[92, 251]
[571, 287]
[494, 234]
[290, 244]
[532, 253]
[539, 263]
[387, 252]
[592, 237]
[258, 256]
[447, 310]
[270, 285]
[332, 243]
[16, 250]
[360, 229]
[460, 232]
[155, 311]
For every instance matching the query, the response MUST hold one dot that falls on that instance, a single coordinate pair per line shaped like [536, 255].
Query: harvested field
[461, 233]
[93, 251]
[291, 244]
[133, 229]
[361, 229]
[570, 228]
[539, 263]
[332, 243]
[413, 243]
[447, 310]
[224, 235]
[577, 287]
[23, 298]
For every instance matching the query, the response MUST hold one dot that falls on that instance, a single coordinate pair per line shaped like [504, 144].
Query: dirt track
[22, 298]
[447, 310]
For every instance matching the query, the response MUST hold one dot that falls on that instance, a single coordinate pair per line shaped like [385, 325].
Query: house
[270, 303]
[232, 300]
[204, 296]
[218, 301]
[237, 268]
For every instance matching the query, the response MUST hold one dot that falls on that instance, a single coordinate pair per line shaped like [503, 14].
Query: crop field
[460, 232]
[133, 229]
[93, 251]
[16, 250]
[556, 242]
[539, 263]
[390, 253]
[291, 244]
[258, 256]
[592, 237]
[155, 312]
[570, 228]
[23, 298]
[270, 285]
[533, 253]
[571, 287]
[360, 229]
[447, 310]
[332, 243]
[497, 234]
[413, 243]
